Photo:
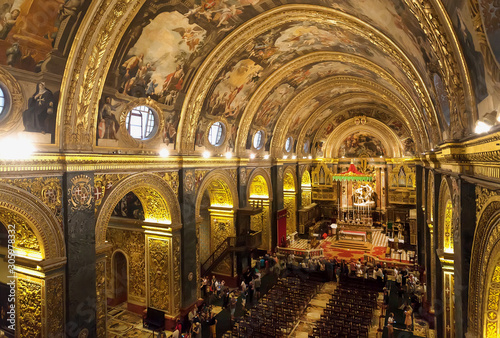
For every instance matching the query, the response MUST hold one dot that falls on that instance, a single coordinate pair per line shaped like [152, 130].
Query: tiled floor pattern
[123, 323]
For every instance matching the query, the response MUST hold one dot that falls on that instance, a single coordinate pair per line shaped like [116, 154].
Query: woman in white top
[390, 323]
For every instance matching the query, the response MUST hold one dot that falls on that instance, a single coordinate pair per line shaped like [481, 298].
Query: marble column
[190, 263]
[277, 181]
[421, 224]
[81, 254]
[464, 232]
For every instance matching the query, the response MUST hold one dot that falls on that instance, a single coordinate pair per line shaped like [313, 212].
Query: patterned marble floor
[123, 323]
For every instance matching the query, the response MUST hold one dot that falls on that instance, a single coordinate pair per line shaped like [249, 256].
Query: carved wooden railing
[218, 254]
[250, 241]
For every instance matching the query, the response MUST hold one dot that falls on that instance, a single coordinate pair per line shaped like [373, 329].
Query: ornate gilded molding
[225, 50]
[47, 189]
[266, 175]
[339, 82]
[38, 216]
[54, 290]
[436, 24]
[177, 273]
[87, 66]
[483, 195]
[389, 139]
[15, 98]
[172, 179]
[141, 181]
[29, 308]
[160, 274]
[25, 237]
[199, 174]
[101, 300]
[222, 178]
[102, 184]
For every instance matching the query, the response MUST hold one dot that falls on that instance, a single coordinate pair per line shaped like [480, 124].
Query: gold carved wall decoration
[289, 182]
[177, 273]
[233, 173]
[14, 117]
[448, 228]
[199, 175]
[101, 299]
[89, 62]
[25, 237]
[243, 176]
[434, 21]
[47, 189]
[482, 196]
[222, 190]
[41, 220]
[103, 183]
[29, 308]
[132, 244]
[258, 187]
[155, 206]
[172, 179]
[189, 181]
[280, 173]
[160, 274]
[54, 288]
[141, 182]
[80, 194]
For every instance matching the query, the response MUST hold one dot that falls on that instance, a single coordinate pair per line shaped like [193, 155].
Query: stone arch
[155, 195]
[113, 272]
[485, 259]
[289, 180]
[445, 221]
[40, 219]
[221, 176]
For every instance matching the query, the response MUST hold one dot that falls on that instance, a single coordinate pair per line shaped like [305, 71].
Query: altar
[353, 235]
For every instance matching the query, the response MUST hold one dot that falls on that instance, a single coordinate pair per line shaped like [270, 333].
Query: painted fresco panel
[361, 144]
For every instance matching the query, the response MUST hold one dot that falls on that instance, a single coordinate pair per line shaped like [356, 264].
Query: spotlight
[381, 156]
[164, 152]
[16, 148]
[285, 157]
[310, 157]
[487, 122]
[252, 156]
[266, 157]
[482, 127]
[294, 157]
[229, 155]
[206, 154]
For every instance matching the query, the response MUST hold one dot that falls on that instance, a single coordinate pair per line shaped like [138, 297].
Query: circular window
[288, 144]
[141, 122]
[306, 146]
[258, 139]
[3, 107]
[216, 134]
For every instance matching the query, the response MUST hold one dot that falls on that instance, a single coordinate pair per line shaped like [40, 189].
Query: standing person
[250, 292]
[338, 271]
[390, 327]
[408, 318]
[385, 303]
[212, 322]
[225, 298]
[196, 330]
[257, 282]
[232, 306]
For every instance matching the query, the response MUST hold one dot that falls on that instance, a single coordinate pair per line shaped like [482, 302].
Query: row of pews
[278, 311]
[349, 312]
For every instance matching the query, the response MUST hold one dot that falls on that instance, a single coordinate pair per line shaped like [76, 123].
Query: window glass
[141, 122]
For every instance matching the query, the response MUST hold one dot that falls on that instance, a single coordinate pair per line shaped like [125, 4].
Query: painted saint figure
[108, 124]
[40, 113]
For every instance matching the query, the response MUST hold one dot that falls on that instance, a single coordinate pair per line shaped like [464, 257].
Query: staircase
[231, 244]
[352, 245]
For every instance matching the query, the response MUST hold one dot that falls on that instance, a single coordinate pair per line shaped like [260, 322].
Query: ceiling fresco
[165, 45]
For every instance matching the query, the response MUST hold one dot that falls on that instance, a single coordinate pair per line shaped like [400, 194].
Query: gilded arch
[483, 317]
[157, 197]
[445, 220]
[220, 176]
[265, 174]
[38, 216]
[262, 221]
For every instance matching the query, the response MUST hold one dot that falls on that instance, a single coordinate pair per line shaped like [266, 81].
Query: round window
[288, 144]
[141, 122]
[3, 106]
[306, 146]
[258, 139]
[216, 134]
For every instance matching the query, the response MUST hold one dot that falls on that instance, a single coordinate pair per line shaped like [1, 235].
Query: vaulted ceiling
[404, 74]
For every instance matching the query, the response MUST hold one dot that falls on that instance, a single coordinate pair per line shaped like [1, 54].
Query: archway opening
[290, 203]
[259, 197]
[120, 276]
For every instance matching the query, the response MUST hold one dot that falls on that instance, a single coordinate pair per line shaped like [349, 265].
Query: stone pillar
[277, 180]
[298, 189]
[81, 254]
[190, 264]
[437, 275]
[421, 224]
[464, 232]
[243, 186]
[101, 297]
